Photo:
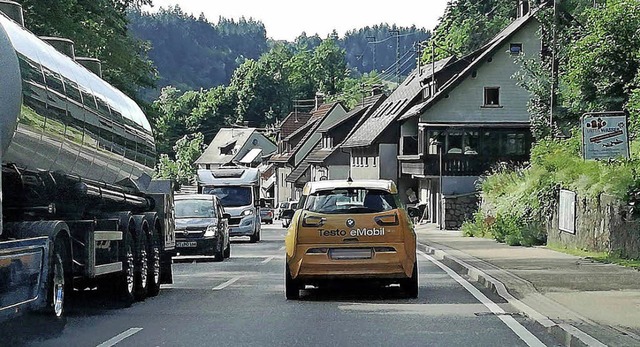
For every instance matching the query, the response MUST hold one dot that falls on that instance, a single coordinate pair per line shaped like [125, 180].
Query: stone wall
[603, 224]
[459, 208]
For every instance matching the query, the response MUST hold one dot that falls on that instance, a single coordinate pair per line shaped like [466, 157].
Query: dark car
[266, 215]
[202, 227]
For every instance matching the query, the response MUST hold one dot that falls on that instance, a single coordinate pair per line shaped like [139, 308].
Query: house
[328, 160]
[288, 136]
[476, 119]
[292, 170]
[236, 147]
[375, 141]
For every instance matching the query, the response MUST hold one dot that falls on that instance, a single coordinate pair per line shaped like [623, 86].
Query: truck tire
[141, 266]
[153, 252]
[125, 283]
[57, 282]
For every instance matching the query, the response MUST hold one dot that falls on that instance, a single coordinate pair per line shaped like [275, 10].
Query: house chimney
[62, 45]
[523, 8]
[92, 64]
[376, 90]
[12, 10]
[319, 100]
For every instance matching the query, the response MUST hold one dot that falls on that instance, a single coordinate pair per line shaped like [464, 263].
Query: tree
[329, 66]
[181, 170]
[98, 29]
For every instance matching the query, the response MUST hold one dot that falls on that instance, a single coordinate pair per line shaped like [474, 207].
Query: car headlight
[212, 230]
[246, 213]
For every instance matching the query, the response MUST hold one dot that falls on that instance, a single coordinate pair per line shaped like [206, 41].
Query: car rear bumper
[381, 265]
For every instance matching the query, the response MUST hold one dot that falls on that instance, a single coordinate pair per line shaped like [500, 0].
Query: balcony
[455, 164]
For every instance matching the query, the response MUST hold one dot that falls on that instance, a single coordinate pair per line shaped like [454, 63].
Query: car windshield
[231, 196]
[195, 209]
[352, 200]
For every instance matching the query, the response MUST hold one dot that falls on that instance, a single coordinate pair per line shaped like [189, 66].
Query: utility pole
[397, 35]
[554, 48]
[372, 40]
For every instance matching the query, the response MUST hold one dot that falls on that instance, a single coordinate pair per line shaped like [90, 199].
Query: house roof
[298, 172]
[293, 122]
[480, 56]
[395, 105]
[284, 157]
[225, 138]
[316, 120]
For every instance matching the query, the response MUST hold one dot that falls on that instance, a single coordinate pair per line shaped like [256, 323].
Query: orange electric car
[346, 229]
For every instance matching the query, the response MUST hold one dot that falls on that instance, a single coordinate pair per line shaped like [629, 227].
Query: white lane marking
[524, 334]
[282, 248]
[227, 283]
[112, 341]
[267, 260]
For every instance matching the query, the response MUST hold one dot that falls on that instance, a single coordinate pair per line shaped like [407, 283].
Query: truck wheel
[291, 286]
[153, 252]
[142, 267]
[57, 283]
[410, 285]
[125, 283]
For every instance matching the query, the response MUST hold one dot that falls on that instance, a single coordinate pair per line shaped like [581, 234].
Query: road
[240, 302]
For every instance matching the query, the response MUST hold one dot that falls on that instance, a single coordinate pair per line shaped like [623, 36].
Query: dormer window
[515, 48]
[327, 141]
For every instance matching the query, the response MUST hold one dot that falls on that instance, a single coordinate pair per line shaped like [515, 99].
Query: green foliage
[354, 90]
[467, 25]
[99, 29]
[192, 53]
[181, 170]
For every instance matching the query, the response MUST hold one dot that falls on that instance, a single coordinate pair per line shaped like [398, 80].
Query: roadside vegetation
[599, 70]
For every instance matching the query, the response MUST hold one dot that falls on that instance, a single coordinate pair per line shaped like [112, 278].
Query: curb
[566, 334]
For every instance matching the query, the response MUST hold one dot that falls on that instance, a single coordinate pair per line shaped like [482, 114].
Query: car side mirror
[413, 212]
[226, 216]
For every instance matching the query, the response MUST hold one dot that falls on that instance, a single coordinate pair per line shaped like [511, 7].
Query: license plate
[350, 253]
[186, 244]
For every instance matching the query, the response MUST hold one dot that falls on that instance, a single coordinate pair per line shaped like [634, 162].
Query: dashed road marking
[227, 283]
[112, 341]
[267, 260]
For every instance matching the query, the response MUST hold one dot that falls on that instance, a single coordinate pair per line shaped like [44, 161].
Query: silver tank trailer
[56, 115]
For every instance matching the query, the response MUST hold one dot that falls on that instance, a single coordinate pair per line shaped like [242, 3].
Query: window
[491, 96]
[433, 137]
[515, 48]
[514, 144]
[350, 201]
[454, 142]
[409, 145]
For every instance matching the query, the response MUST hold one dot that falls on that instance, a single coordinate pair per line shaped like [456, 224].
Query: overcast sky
[287, 19]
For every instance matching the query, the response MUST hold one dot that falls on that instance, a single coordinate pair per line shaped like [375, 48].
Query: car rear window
[351, 200]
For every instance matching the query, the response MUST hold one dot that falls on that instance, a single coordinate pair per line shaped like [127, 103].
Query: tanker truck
[79, 208]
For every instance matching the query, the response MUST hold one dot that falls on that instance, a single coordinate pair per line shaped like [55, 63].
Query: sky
[287, 19]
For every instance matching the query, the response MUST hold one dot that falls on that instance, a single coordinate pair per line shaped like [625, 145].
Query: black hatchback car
[202, 227]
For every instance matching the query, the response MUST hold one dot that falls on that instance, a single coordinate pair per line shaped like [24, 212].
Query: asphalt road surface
[240, 302]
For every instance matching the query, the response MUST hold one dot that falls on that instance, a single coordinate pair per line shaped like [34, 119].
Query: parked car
[289, 206]
[266, 215]
[202, 226]
[350, 230]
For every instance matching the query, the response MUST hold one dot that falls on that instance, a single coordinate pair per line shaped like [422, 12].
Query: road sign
[604, 135]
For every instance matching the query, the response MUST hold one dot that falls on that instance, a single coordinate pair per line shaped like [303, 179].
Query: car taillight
[317, 251]
[387, 220]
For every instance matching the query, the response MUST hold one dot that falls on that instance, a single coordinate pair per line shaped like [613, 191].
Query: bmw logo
[351, 223]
